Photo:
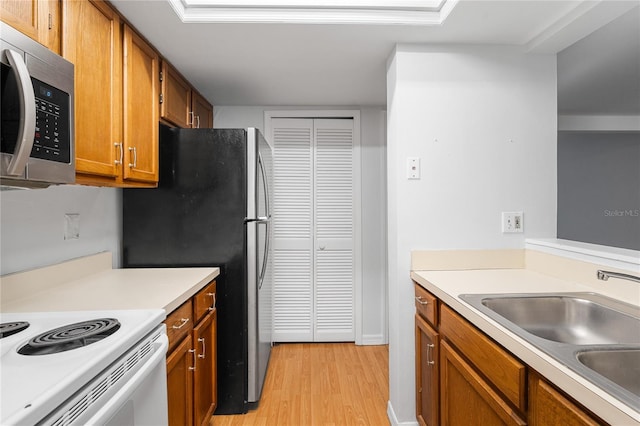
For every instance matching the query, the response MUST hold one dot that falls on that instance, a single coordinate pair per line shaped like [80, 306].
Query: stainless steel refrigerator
[212, 208]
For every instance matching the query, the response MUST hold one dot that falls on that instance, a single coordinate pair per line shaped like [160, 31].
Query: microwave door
[27, 120]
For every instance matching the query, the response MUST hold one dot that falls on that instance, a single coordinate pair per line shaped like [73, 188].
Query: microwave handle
[26, 132]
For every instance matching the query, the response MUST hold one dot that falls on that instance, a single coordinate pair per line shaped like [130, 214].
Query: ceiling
[263, 64]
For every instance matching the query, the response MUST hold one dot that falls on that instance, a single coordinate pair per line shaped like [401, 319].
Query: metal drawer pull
[213, 301]
[135, 157]
[420, 301]
[183, 322]
[203, 355]
[430, 360]
[193, 351]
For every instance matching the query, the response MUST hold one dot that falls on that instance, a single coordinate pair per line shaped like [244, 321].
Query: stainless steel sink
[586, 319]
[593, 335]
[621, 366]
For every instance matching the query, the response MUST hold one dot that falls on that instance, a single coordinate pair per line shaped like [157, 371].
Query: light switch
[413, 168]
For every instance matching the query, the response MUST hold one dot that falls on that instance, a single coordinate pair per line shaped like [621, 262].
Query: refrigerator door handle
[266, 220]
[265, 256]
[259, 219]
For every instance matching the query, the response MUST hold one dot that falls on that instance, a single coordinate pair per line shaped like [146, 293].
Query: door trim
[357, 176]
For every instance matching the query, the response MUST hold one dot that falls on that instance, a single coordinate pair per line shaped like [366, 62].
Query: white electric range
[83, 367]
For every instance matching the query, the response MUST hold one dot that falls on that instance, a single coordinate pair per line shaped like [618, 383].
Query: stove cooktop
[91, 341]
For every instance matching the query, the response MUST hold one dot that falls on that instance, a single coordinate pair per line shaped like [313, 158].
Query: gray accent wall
[599, 188]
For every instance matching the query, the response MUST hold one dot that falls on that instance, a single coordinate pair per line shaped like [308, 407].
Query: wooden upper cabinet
[141, 95]
[202, 111]
[176, 97]
[92, 41]
[38, 19]
[181, 104]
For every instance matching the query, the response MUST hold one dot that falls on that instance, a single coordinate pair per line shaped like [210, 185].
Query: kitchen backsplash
[32, 225]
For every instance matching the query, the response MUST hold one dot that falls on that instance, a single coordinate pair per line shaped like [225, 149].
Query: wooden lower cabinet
[476, 381]
[180, 384]
[427, 373]
[548, 406]
[204, 386]
[191, 360]
[467, 399]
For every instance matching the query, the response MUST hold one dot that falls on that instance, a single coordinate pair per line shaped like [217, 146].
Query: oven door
[133, 391]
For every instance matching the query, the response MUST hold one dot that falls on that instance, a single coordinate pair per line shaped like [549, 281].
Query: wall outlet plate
[71, 226]
[512, 222]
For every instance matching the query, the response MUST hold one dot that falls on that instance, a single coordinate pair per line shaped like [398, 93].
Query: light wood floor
[318, 384]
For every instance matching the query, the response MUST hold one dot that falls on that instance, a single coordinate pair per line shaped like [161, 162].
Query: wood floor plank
[321, 384]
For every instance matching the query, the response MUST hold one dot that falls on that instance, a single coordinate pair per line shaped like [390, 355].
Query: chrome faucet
[605, 275]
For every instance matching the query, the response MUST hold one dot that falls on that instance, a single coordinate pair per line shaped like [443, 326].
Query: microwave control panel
[52, 140]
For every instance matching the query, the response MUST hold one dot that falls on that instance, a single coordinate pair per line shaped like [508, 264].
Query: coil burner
[10, 328]
[71, 336]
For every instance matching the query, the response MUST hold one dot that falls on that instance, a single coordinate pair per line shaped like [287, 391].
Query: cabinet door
[466, 399]
[176, 98]
[204, 386]
[92, 41]
[180, 384]
[549, 407]
[141, 100]
[38, 19]
[202, 111]
[427, 373]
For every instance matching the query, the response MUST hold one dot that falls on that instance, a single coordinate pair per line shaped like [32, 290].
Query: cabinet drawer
[426, 305]
[204, 301]
[179, 323]
[497, 365]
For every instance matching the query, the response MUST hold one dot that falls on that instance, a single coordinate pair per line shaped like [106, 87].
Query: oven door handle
[27, 129]
[123, 394]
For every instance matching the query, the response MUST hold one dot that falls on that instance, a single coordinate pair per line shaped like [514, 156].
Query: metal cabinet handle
[430, 360]
[422, 302]
[213, 301]
[193, 352]
[27, 130]
[119, 145]
[135, 157]
[183, 322]
[197, 121]
[190, 119]
[203, 355]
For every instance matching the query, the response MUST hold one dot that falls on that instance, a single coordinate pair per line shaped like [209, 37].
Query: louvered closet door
[313, 230]
[334, 235]
[292, 231]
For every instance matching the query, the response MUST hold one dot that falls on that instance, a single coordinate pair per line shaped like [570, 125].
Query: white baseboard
[373, 339]
[391, 415]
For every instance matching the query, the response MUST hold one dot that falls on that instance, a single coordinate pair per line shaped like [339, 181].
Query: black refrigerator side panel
[196, 218]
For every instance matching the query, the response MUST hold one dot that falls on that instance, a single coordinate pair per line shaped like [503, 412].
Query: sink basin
[621, 366]
[585, 319]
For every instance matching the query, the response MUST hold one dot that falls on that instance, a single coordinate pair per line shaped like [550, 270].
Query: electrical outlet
[71, 226]
[512, 222]
[413, 168]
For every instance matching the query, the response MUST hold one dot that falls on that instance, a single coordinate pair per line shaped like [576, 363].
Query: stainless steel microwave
[37, 132]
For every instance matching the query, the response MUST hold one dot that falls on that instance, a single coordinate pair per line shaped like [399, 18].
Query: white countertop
[103, 288]
[447, 285]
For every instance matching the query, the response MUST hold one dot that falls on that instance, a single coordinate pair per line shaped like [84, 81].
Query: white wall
[483, 120]
[373, 169]
[32, 225]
